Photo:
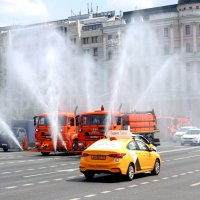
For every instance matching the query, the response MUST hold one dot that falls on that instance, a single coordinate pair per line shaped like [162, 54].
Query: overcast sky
[22, 12]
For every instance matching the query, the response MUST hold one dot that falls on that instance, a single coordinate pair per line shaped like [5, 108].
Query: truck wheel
[156, 169]
[5, 149]
[130, 172]
[75, 145]
[89, 176]
[45, 153]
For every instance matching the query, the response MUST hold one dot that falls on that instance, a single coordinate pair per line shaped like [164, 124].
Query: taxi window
[132, 146]
[142, 146]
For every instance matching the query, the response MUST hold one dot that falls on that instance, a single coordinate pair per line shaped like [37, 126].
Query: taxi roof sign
[122, 134]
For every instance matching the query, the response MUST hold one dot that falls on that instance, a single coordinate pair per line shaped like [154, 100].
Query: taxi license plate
[98, 157]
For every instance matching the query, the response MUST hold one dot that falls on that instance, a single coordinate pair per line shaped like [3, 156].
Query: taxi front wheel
[156, 169]
[130, 172]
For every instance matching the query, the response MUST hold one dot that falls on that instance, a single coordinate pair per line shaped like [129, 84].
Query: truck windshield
[44, 120]
[95, 119]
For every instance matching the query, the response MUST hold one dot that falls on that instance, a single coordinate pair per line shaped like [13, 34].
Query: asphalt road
[28, 175]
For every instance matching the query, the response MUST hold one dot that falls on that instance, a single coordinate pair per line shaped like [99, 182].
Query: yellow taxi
[125, 156]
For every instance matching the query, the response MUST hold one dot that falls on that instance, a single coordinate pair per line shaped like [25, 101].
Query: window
[95, 51]
[166, 49]
[142, 146]
[110, 54]
[95, 39]
[132, 146]
[166, 32]
[188, 47]
[86, 40]
[109, 37]
[187, 29]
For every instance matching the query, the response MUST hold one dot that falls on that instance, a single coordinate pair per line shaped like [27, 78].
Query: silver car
[192, 136]
[180, 132]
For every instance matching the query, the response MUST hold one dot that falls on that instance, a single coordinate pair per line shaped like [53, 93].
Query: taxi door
[144, 156]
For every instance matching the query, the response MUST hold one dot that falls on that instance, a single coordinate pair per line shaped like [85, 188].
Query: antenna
[91, 8]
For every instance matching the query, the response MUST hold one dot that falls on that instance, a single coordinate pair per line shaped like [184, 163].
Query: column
[194, 38]
[172, 38]
[182, 42]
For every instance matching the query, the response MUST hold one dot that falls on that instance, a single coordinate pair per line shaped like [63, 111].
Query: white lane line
[191, 172]
[182, 158]
[195, 184]
[42, 167]
[75, 199]
[118, 189]
[52, 166]
[197, 170]
[58, 171]
[165, 178]
[155, 180]
[131, 186]
[70, 177]
[30, 169]
[174, 150]
[11, 187]
[58, 179]
[5, 172]
[28, 184]
[144, 183]
[21, 161]
[41, 182]
[90, 195]
[19, 171]
[105, 192]
[174, 176]
[182, 174]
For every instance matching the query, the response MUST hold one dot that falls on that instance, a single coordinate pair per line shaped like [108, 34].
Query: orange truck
[55, 132]
[169, 125]
[93, 126]
[143, 123]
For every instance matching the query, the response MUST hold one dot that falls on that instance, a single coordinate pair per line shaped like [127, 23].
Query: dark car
[6, 142]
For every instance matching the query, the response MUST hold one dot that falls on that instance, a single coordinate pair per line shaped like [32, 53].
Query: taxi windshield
[95, 119]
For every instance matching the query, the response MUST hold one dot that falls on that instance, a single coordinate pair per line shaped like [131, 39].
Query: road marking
[58, 171]
[90, 195]
[119, 189]
[183, 174]
[155, 180]
[18, 171]
[28, 184]
[174, 150]
[105, 192]
[5, 172]
[191, 172]
[70, 177]
[186, 157]
[144, 183]
[30, 169]
[75, 199]
[11, 187]
[42, 167]
[195, 184]
[58, 179]
[165, 178]
[43, 182]
[174, 176]
[131, 186]
[197, 170]
[52, 166]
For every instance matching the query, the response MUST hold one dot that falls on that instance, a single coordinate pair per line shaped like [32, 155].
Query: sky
[24, 12]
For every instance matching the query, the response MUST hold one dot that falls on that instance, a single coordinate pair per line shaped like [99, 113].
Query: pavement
[56, 177]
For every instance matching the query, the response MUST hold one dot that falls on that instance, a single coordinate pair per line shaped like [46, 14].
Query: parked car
[180, 132]
[7, 143]
[192, 136]
[119, 156]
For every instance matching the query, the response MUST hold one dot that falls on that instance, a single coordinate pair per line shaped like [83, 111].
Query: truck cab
[55, 132]
[93, 126]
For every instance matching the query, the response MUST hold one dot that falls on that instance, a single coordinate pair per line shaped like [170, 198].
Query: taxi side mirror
[151, 149]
